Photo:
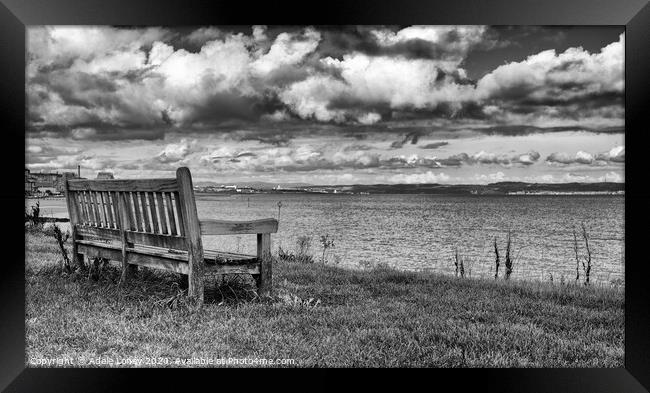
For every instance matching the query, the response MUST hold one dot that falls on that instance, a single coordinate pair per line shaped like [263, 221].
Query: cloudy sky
[329, 105]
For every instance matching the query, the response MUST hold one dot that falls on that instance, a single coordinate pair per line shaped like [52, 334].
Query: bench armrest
[222, 227]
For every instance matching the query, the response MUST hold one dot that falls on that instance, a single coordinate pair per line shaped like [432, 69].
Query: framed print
[454, 187]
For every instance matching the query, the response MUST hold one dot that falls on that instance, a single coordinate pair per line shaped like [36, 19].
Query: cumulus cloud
[288, 49]
[556, 85]
[280, 97]
[175, 152]
[70, 162]
[615, 155]
[103, 82]
[483, 157]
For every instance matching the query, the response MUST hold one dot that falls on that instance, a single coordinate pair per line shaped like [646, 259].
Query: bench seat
[215, 261]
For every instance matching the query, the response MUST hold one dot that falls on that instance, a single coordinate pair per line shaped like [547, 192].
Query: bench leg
[77, 258]
[265, 278]
[195, 281]
[184, 281]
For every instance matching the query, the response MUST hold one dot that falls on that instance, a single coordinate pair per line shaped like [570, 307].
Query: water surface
[422, 232]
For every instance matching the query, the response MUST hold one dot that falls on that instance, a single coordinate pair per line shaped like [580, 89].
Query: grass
[321, 316]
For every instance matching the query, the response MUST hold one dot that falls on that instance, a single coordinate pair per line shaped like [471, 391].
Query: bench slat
[161, 211]
[223, 227]
[129, 212]
[145, 210]
[153, 212]
[83, 216]
[145, 185]
[116, 209]
[170, 214]
[156, 240]
[93, 201]
[136, 209]
[90, 216]
[135, 257]
[109, 211]
[221, 258]
[180, 223]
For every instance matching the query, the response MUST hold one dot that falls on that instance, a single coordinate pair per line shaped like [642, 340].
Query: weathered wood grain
[89, 213]
[153, 212]
[135, 257]
[265, 283]
[149, 239]
[143, 185]
[102, 208]
[122, 234]
[73, 212]
[180, 215]
[170, 214]
[192, 234]
[109, 210]
[136, 209]
[223, 227]
[117, 212]
[93, 197]
[161, 212]
[145, 210]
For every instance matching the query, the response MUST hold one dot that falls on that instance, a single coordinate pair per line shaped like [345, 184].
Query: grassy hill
[319, 316]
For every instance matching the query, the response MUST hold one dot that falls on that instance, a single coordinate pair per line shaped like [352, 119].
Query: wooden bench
[154, 223]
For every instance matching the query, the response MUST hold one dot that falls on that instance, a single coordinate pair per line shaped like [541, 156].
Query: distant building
[45, 179]
[105, 176]
[30, 182]
[52, 183]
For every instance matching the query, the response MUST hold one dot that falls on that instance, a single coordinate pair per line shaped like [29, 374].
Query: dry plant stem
[586, 266]
[509, 261]
[61, 239]
[496, 262]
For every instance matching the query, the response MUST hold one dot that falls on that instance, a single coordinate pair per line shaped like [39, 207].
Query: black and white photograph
[448, 196]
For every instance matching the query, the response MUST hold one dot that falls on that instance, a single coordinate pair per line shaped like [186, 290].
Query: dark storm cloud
[411, 136]
[520, 130]
[357, 147]
[263, 136]
[434, 145]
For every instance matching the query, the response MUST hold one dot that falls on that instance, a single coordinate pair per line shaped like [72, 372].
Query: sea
[425, 232]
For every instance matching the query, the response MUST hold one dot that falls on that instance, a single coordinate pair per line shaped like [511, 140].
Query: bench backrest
[154, 212]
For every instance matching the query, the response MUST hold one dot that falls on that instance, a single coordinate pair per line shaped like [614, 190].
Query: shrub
[301, 256]
[327, 243]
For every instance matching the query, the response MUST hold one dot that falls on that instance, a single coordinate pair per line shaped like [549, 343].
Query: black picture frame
[15, 15]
